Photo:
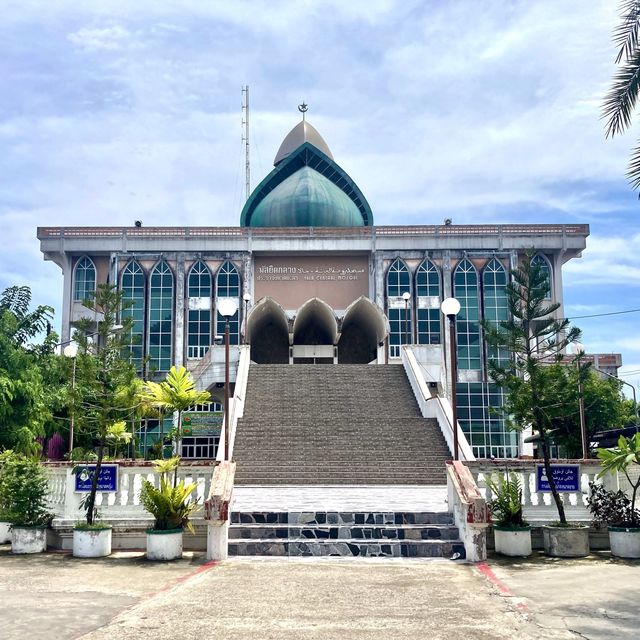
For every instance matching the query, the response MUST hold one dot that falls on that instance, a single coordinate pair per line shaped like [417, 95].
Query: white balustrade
[540, 506]
[64, 501]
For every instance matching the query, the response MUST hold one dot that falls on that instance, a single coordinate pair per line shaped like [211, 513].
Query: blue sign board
[566, 477]
[107, 481]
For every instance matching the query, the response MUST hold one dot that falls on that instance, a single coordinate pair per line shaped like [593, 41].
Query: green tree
[620, 101]
[24, 410]
[176, 393]
[533, 337]
[101, 373]
[604, 405]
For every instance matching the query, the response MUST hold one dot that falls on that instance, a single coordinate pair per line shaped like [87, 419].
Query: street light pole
[71, 351]
[450, 308]
[633, 389]
[579, 351]
[227, 308]
[405, 296]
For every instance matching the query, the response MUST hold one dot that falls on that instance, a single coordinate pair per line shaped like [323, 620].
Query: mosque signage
[566, 477]
[202, 423]
[292, 280]
[107, 480]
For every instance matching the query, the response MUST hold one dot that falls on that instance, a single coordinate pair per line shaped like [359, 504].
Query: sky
[482, 111]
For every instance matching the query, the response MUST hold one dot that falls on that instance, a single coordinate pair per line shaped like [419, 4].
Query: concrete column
[217, 540]
[378, 286]
[67, 297]
[178, 351]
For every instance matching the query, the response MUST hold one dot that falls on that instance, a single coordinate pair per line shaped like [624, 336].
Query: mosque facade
[314, 281]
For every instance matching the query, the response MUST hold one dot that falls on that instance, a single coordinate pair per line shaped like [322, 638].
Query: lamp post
[405, 296]
[578, 349]
[247, 298]
[227, 308]
[633, 390]
[71, 351]
[450, 308]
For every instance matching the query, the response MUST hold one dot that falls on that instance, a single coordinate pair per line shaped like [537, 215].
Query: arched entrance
[268, 333]
[364, 327]
[315, 331]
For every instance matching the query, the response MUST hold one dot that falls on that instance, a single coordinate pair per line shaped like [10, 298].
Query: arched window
[228, 286]
[199, 315]
[84, 279]
[132, 285]
[428, 303]
[398, 311]
[541, 262]
[160, 318]
[465, 289]
[496, 308]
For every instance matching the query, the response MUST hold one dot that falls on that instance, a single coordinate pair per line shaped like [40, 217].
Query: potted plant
[512, 533]
[5, 515]
[24, 485]
[624, 528]
[171, 505]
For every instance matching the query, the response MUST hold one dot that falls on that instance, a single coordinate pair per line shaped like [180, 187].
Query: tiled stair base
[349, 534]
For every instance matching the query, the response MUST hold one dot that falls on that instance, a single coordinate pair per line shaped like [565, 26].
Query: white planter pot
[566, 542]
[28, 539]
[514, 542]
[5, 533]
[164, 545]
[624, 542]
[91, 543]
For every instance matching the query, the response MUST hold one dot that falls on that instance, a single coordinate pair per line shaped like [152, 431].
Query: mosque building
[315, 282]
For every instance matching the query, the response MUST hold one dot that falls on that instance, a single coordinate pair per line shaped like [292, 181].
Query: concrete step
[353, 532]
[450, 549]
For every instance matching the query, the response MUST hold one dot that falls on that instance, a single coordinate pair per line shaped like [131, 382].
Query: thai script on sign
[273, 272]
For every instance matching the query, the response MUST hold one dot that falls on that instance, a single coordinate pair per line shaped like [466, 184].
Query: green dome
[306, 199]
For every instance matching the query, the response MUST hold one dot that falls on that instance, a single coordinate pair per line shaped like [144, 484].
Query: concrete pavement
[57, 597]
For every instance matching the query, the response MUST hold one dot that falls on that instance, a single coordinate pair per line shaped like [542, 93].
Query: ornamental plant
[608, 507]
[622, 459]
[506, 505]
[171, 503]
[24, 491]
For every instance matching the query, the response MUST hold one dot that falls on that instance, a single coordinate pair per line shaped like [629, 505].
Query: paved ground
[595, 598]
[57, 597]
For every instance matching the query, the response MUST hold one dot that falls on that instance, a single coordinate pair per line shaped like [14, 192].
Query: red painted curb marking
[489, 574]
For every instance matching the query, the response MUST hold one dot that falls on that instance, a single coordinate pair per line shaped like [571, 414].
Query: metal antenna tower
[245, 139]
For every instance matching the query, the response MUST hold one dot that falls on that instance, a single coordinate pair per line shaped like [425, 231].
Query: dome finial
[303, 108]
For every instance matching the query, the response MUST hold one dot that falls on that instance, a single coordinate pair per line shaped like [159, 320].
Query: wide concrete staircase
[340, 425]
[335, 424]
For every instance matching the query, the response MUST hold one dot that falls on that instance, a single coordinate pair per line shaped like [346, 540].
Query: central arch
[364, 327]
[315, 332]
[268, 333]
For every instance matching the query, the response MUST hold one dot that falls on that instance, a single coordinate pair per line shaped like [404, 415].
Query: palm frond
[625, 36]
[633, 171]
[620, 100]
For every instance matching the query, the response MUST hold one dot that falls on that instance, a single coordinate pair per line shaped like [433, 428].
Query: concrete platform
[340, 498]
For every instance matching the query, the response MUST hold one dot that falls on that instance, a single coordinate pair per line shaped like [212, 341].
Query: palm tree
[176, 393]
[620, 101]
[16, 301]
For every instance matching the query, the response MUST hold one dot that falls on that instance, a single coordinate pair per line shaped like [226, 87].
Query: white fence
[123, 504]
[539, 506]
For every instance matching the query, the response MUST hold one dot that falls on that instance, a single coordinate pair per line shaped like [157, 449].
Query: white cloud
[111, 38]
